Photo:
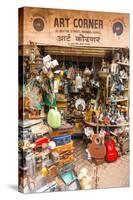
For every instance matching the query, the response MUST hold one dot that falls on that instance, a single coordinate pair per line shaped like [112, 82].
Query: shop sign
[74, 28]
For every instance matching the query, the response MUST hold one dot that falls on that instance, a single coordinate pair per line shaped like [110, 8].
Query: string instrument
[111, 152]
[97, 148]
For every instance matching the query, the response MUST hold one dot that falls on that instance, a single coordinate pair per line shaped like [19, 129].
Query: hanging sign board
[73, 28]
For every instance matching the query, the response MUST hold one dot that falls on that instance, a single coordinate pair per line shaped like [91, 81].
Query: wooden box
[63, 148]
[68, 160]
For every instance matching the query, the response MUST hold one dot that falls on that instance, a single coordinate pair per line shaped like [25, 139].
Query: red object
[111, 153]
[40, 141]
[106, 121]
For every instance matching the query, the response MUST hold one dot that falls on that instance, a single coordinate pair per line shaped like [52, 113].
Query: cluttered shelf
[103, 125]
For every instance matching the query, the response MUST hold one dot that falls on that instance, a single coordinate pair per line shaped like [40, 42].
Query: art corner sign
[75, 28]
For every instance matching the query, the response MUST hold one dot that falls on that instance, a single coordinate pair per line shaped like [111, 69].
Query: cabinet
[119, 86]
[115, 98]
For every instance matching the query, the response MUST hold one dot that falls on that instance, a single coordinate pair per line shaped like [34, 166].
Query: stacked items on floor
[36, 166]
[40, 156]
[64, 148]
[64, 144]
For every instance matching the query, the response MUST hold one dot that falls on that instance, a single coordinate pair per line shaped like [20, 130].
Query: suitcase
[63, 148]
[68, 160]
[66, 154]
[61, 140]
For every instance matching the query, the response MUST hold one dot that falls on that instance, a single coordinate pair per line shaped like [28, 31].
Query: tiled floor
[115, 174]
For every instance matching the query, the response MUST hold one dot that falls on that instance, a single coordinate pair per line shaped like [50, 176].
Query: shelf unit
[103, 125]
[124, 101]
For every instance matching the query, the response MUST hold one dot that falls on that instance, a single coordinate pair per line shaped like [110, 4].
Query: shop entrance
[75, 106]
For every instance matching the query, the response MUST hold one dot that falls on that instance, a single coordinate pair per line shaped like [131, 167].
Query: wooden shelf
[109, 125]
[62, 101]
[124, 64]
[118, 100]
[29, 122]
[72, 131]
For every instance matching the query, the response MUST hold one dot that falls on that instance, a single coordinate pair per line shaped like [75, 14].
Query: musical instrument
[97, 148]
[111, 153]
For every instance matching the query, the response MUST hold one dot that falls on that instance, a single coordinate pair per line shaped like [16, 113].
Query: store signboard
[74, 28]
